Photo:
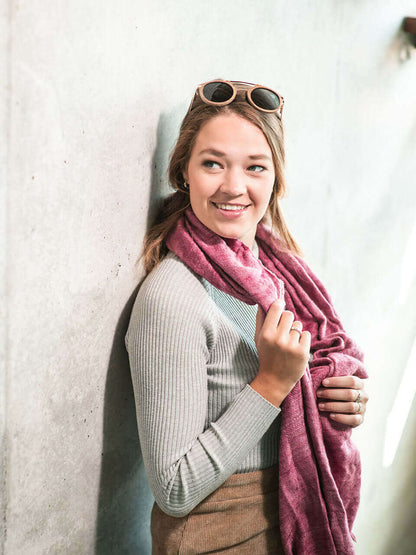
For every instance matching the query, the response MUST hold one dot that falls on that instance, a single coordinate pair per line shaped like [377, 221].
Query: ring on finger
[359, 407]
[297, 326]
[358, 399]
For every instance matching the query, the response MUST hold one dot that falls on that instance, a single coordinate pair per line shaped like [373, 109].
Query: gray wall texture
[92, 94]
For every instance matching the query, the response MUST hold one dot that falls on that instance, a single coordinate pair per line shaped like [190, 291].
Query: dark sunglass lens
[218, 92]
[263, 98]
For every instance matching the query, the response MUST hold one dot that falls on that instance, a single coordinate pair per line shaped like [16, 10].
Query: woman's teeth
[230, 206]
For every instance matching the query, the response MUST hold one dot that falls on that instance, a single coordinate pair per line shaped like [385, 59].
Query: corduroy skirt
[241, 516]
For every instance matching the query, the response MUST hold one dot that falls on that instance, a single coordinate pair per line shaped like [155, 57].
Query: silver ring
[358, 399]
[296, 329]
[359, 408]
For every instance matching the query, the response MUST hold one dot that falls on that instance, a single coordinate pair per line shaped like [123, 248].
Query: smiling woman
[232, 343]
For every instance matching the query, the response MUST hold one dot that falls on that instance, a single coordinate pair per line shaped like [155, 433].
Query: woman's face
[230, 175]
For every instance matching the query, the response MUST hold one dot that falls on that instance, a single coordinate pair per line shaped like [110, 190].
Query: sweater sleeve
[168, 342]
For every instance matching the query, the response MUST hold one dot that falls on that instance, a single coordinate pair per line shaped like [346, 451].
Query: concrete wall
[92, 94]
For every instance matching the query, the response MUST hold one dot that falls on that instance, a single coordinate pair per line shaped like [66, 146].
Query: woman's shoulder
[172, 277]
[169, 294]
[172, 287]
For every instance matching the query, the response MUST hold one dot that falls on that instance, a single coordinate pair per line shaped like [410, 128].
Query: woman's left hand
[338, 396]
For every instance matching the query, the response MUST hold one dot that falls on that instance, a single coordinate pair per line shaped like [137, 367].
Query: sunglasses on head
[220, 92]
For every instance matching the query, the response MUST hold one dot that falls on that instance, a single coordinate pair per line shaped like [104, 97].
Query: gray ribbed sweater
[192, 356]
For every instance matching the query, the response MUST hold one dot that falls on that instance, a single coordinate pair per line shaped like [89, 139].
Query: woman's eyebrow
[212, 151]
[260, 157]
[222, 154]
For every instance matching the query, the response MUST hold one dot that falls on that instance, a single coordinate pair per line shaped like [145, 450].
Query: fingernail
[326, 382]
[321, 406]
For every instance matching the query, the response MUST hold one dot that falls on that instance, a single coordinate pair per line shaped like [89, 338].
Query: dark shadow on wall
[168, 127]
[125, 498]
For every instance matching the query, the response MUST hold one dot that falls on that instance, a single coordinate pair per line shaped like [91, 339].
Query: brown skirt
[241, 516]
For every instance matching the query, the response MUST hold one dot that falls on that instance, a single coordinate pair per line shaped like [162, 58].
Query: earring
[185, 185]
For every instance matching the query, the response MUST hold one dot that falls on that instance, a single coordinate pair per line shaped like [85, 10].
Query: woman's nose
[234, 182]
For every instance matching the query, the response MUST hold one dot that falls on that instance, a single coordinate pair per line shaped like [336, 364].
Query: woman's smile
[229, 210]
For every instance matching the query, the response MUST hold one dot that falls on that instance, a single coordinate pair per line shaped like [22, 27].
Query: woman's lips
[231, 213]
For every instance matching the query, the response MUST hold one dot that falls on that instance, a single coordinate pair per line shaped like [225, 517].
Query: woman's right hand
[283, 353]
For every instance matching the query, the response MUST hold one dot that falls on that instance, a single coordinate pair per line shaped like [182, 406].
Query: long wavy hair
[173, 206]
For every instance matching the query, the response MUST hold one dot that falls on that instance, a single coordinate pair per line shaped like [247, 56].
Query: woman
[220, 368]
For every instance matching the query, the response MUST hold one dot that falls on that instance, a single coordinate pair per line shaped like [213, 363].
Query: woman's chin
[245, 240]
[230, 231]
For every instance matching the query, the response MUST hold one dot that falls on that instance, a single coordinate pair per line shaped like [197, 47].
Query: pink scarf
[319, 466]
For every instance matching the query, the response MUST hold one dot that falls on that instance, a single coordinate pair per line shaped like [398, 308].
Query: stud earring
[185, 185]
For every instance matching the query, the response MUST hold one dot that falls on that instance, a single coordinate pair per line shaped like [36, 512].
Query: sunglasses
[220, 92]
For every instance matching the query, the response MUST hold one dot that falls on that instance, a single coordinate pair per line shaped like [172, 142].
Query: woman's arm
[168, 343]
[337, 395]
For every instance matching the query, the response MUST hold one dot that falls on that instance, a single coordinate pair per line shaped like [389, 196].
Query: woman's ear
[185, 172]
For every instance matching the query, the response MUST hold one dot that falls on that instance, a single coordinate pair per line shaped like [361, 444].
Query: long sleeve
[169, 339]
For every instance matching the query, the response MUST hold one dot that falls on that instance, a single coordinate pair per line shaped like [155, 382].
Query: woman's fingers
[345, 398]
[280, 320]
[286, 321]
[341, 404]
[352, 420]
[341, 394]
[349, 407]
[344, 381]
[273, 314]
[295, 331]
[305, 341]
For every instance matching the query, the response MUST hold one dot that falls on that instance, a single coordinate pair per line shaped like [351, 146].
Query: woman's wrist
[268, 389]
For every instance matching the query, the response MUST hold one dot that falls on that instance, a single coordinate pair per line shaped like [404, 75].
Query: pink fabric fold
[319, 466]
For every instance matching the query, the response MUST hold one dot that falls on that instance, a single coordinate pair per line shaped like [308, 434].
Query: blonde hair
[173, 206]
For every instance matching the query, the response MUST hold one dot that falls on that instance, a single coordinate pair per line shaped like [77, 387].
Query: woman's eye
[210, 163]
[257, 168]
